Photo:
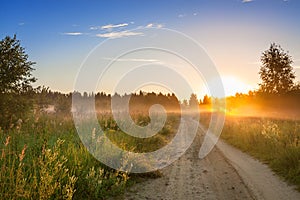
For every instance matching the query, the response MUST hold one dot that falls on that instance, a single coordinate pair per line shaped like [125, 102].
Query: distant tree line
[19, 100]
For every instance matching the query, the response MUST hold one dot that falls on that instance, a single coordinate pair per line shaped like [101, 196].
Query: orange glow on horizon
[233, 85]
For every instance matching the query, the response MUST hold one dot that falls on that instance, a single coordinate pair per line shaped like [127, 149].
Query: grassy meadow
[273, 141]
[43, 158]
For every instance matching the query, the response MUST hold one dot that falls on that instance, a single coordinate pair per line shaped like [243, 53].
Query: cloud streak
[181, 15]
[152, 25]
[247, 1]
[111, 26]
[94, 28]
[120, 34]
[149, 25]
[73, 33]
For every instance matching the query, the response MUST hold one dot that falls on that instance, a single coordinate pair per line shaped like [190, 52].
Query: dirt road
[218, 176]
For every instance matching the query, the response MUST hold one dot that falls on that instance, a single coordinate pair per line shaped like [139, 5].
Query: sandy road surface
[258, 177]
[226, 173]
[191, 178]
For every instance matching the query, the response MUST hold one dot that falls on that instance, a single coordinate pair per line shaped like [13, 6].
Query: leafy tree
[276, 71]
[15, 81]
[15, 69]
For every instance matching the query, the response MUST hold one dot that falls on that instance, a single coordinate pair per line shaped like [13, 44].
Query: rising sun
[233, 85]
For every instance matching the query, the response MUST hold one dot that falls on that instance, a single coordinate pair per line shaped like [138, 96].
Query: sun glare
[233, 85]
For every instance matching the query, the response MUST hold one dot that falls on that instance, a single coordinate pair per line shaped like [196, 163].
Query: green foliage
[102, 183]
[41, 177]
[63, 104]
[276, 71]
[15, 69]
[14, 109]
[134, 144]
[43, 158]
[15, 82]
[53, 173]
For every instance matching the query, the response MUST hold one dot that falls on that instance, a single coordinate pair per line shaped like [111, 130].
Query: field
[43, 158]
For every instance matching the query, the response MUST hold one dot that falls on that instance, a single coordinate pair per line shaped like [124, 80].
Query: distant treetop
[276, 72]
[15, 68]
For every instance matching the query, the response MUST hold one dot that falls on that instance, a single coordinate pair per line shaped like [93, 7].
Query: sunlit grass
[134, 144]
[43, 158]
[275, 142]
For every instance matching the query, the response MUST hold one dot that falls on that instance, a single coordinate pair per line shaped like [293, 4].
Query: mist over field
[150, 99]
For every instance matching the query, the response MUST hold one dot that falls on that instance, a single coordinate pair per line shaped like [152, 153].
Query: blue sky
[58, 35]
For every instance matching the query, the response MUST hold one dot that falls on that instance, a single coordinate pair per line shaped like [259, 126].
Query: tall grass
[43, 158]
[275, 142]
[134, 144]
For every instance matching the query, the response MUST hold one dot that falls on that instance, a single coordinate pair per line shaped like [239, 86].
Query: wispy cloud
[247, 1]
[120, 34]
[149, 25]
[110, 26]
[21, 24]
[159, 26]
[73, 33]
[94, 27]
[152, 25]
[181, 15]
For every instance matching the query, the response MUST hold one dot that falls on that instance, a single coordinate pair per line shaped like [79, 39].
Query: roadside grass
[275, 142]
[150, 144]
[44, 158]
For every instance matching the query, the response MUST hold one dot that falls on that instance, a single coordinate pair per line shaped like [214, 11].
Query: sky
[59, 34]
